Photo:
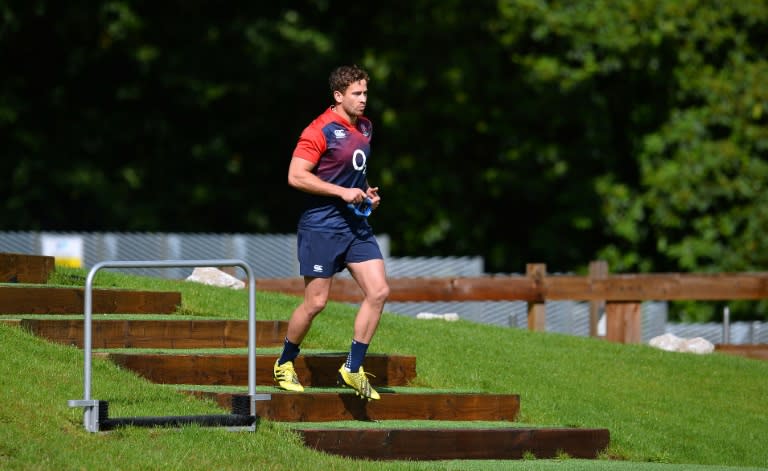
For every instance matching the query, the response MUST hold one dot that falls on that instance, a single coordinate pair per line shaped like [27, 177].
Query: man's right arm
[300, 176]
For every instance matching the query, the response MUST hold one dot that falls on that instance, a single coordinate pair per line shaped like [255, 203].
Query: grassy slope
[659, 406]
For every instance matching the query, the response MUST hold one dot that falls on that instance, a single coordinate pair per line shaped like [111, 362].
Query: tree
[700, 197]
[633, 131]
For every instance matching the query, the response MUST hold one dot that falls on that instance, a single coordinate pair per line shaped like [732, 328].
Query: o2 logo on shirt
[359, 161]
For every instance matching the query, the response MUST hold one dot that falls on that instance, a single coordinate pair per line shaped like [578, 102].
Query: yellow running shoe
[286, 378]
[359, 382]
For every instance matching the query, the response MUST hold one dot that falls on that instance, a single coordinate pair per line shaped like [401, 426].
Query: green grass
[665, 411]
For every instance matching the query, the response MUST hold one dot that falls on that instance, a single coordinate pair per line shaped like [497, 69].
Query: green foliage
[628, 130]
[698, 204]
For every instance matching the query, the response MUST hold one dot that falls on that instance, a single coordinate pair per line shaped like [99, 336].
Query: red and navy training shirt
[340, 153]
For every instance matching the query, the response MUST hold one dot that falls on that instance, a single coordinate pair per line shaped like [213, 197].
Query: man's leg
[371, 277]
[316, 292]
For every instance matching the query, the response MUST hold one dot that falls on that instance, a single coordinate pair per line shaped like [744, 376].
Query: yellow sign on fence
[67, 250]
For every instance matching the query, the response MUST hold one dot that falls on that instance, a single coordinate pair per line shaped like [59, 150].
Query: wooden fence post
[537, 313]
[598, 270]
[623, 321]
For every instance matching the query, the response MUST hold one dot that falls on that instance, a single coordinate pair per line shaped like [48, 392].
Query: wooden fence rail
[621, 295]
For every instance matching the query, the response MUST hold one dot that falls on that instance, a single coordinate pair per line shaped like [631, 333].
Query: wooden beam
[22, 268]
[623, 321]
[659, 287]
[643, 287]
[754, 351]
[457, 443]
[232, 369]
[311, 406]
[422, 289]
[115, 333]
[537, 310]
[53, 300]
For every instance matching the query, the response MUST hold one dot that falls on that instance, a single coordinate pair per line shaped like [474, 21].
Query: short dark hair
[345, 75]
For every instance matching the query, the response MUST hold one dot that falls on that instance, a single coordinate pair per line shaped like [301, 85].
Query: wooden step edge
[171, 320]
[70, 300]
[307, 358]
[345, 405]
[232, 369]
[457, 443]
[753, 351]
[166, 333]
[24, 268]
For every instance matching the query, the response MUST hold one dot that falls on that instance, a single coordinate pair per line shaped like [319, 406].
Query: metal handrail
[90, 415]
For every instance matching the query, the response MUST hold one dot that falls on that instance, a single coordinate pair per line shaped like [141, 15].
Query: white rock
[215, 277]
[673, 343]
[668, 342]
[698, 345]
[450, 317]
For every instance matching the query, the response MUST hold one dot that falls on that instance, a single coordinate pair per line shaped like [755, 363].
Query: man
[329, 165]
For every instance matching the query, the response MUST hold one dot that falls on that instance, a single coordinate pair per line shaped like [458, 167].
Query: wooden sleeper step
[334, 406]
[22, 268]
[232, 369]
[52, 300]
[754, 351]
[457, 444]
[159, 333]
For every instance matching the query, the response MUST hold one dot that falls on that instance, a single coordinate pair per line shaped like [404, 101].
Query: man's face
[354, 98]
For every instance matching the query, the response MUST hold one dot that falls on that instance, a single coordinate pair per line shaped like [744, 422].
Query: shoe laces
[361, 377]
[364, 373]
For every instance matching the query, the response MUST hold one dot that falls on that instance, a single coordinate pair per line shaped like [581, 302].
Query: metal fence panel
[567, 317]
[741, 332]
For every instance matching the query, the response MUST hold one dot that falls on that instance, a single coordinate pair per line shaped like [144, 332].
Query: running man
[329, 165]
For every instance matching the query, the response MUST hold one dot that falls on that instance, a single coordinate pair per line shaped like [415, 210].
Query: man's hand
[373, 195]
[353, 195]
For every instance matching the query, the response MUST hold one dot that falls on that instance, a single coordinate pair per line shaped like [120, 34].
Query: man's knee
[379, 294]
[314, 305]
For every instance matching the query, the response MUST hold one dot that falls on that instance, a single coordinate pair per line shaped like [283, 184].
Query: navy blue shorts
[323, 254]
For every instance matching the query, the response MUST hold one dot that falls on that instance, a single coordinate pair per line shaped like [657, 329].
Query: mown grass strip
[692, 412]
